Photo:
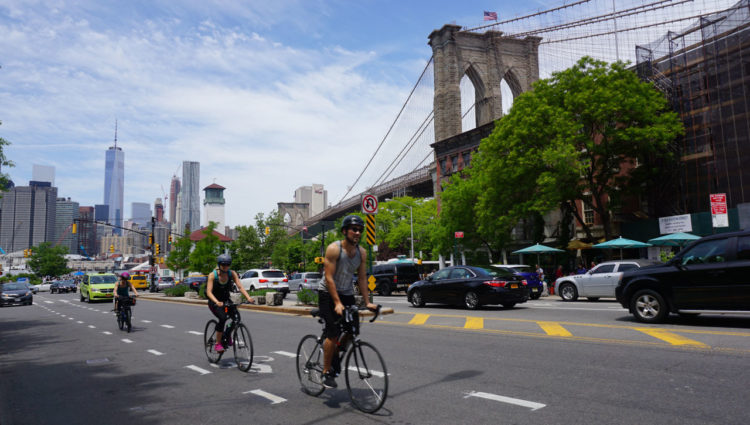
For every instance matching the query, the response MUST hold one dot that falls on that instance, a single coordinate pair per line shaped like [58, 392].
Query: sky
[267, 95]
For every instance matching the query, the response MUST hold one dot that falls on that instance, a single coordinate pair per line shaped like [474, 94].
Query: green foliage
[179, 256]
[48, 260]
[4, 163]
[392, 226]
[202, 291]
[253, 248]
[203, 256]
[177, 291]
[307, 296]
[33, 279]
[665, 256]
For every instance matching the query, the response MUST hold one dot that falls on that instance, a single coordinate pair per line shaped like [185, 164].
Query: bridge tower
[487, 58]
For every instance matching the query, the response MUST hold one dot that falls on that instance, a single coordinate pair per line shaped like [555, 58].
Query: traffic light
[268, 230]
[25, 253]
[169, 239]
[150, 238]
[318, 260]
[74, 230]
[156, 249]
[112, 248]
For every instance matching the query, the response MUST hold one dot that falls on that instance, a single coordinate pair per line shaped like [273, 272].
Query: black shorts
[328, 313]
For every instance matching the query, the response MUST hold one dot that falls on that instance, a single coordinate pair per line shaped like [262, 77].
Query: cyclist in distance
[343, 258]
[218, 288]
[121, 289]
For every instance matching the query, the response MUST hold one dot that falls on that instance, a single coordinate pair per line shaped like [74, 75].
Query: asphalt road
[65, 362]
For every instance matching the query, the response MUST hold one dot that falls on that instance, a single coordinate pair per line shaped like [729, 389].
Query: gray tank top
[345, 269]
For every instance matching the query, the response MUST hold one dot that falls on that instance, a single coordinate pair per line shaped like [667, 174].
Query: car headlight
[6, 296]
[28, 293]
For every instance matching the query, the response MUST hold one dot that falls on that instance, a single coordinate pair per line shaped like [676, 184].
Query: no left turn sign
[369, 204]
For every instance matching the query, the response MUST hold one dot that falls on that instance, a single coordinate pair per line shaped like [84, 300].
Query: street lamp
[411, 223]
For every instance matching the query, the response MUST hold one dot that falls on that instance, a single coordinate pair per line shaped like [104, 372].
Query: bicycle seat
[315, 312]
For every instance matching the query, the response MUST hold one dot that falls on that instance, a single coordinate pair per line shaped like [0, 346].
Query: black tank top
[221, 290]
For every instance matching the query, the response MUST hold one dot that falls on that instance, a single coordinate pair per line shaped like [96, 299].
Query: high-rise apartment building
[159, 210]
[213, 204]
[140, 213]
[174, 190]
[67, 212]
[28, 216]
[190, 191]
[114, 184]
[86, 232]
[43, 173]
[314, 195]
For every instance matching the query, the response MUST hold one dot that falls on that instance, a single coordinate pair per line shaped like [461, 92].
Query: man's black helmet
[224, 259]
[352, 220]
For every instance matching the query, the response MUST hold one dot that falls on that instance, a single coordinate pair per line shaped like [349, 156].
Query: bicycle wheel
[128, 315]
[209, 342]
[366, 377]
[243, 347]
[310, 365]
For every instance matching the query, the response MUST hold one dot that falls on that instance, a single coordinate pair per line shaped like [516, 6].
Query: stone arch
[487, 58]
[477, 81]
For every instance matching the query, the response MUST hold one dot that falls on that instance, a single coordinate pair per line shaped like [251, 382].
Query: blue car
[527, 272]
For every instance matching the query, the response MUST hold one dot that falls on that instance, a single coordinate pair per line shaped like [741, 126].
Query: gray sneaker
[329, 380]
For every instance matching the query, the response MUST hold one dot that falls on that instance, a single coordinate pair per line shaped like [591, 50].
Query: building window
[444, 166]
[454, 163]
[588, 211]
[467, 159]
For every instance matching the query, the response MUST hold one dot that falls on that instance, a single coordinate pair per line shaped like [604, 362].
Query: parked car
[15, 293]
[265, 279]
[711, 275]
[536, 286]
[97, 286]
[62, 286]
[139, 281]
[395, 276]
[599, 282]
[305, 280]
[164, 282]
[33, 288]
[470, 286]
[194, 282]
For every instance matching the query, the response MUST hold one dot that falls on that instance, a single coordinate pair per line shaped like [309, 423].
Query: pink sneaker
[219, 348]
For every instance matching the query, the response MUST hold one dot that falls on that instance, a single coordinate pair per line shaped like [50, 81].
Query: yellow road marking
[671, 338]
[474, 323]
[554, 329]
[419, 319]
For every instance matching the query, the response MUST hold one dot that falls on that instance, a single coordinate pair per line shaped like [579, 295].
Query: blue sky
[268, 96]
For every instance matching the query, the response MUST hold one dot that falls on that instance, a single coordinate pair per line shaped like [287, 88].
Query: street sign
[370, 227]
[719, 217]
[370, 204]
[459, 235]
[371, 279]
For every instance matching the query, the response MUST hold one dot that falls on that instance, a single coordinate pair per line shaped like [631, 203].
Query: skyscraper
[174, 190]
[67, 211]
[159, 210]
[191, 206]
[114, 183]
[43, 173]
[86, 242]
[28, 216]
[140, 213]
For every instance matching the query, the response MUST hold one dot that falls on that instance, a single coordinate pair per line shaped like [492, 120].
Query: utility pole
[151, 256]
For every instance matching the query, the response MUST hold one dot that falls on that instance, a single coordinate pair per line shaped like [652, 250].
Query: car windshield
[109, 278]
[167, 279]
[496, 272]
[14, 286]
[273, 273]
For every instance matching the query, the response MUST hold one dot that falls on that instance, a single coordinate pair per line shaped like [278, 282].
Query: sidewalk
[288, 306]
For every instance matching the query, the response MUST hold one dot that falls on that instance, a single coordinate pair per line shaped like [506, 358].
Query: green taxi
[98, 286]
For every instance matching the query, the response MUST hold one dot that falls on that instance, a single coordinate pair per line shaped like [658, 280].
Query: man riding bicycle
[343, 258]
[218, 288]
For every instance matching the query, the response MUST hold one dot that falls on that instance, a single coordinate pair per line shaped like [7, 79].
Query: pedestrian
[581, 269]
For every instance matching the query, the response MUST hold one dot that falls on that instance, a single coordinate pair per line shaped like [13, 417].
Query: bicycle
[124, 313]
[365, 371]
[235, 335]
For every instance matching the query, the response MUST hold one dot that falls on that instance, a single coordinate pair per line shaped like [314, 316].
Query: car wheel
[89, 298]
[648, 306]
[252, 288]
[568, 292]
[471, 300]
[384, 288]
[593, 298]
[416, 298]
[509, 305]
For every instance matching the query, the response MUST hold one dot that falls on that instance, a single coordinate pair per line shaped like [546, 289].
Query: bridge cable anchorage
[520, 18]
[389, 129]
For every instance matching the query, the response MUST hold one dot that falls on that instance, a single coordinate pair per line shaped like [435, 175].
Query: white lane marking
[199, 370]
[285, 353]
[261, 368]
[78, 321]
[374, 372]
[195, 333]
[107, 333]
[70, 318]
[274, 398]
[156, 353]
[62, 315]
[57, 313]
[48, 302]
[167, 326]
[517, 401]
[126, 341]
[92, 326]
[146, 321]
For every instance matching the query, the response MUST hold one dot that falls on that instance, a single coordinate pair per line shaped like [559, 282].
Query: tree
[203, 257]
[48, 260]
[179, 256]
[253, 247]
[568, 139]
[4, 162]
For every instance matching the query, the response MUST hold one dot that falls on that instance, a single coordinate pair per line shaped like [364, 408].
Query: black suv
[391, 277]
[711, 275]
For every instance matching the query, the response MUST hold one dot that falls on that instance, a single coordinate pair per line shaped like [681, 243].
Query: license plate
[276, 283]
[534, 289]
[513, 286]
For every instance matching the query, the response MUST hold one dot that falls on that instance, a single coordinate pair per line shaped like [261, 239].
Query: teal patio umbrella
[621, 243]
[674, 239]
[537, 249]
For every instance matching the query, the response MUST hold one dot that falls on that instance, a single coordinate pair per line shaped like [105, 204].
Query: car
[265, 279]
[711, 275]
[536, 286]
[599, 282]
[97, 286]
[194, 282]
[15, 293]
[469, 286]
[164, 282]
[304, 280]
[139, 281]
[33, 288]
[58, 286]
[394, 276]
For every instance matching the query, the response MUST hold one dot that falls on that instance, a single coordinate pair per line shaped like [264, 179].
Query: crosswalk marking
[126, 341]
[274, 398]
[518, 402]
[474, 323]
[199, 370]
[419, 319]
[156, 353]
[285, 353]
[195, 333]
[167, 326]
[671, 338]
[554, 329]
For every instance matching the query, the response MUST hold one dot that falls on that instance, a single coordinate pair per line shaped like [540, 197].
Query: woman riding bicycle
[121, 289]
[218, 288]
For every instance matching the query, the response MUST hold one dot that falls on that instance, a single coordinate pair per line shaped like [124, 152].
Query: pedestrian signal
[268, 230]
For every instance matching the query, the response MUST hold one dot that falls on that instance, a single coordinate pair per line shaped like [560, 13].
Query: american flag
[490, 16]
